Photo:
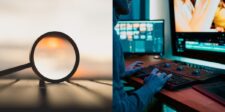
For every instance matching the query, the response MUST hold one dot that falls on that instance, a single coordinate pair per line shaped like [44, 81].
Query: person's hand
[156, 80]
[134, 67]
[220, 29]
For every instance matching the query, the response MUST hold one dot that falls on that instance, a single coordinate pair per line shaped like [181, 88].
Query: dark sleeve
[121, 101]
[132, 103]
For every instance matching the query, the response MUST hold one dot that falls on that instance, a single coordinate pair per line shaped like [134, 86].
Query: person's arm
[140, 98]
[152, 85]
[124, 103]
[135, 102]
[204, 14]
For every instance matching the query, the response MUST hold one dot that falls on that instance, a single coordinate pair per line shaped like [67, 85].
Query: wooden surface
[74, 95]
[186, 99]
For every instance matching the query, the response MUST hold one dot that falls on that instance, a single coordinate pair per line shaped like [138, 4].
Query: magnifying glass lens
[54, 57]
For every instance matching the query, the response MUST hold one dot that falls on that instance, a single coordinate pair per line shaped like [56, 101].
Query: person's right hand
[220, 29]
[156, 80]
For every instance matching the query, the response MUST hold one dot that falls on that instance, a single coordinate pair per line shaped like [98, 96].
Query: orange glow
[51, 42]
[80, 72]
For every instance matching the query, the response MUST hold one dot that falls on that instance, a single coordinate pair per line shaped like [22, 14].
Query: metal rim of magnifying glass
[61, 35]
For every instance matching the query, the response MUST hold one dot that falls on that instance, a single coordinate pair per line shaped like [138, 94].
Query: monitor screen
[198, 29]
[141, 37]
[199, 15]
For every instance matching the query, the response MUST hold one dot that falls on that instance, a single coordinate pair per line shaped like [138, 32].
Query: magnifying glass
[54, 57]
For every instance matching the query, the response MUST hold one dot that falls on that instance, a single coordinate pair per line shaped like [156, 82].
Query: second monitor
[141, 37]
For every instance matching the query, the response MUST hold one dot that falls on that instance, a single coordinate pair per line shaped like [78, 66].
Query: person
[197, 17]
[139, 99]
[219, 19]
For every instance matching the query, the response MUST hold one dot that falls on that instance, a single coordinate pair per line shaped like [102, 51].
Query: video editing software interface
[141, 36]
[198, 32]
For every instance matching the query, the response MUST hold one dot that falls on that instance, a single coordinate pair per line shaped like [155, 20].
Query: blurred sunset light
[87, 22]
[51, 42]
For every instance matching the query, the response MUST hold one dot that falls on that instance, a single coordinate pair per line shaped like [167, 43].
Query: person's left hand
[134, 67]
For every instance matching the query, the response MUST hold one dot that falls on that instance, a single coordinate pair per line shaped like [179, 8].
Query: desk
[186, 99]
[74, 95]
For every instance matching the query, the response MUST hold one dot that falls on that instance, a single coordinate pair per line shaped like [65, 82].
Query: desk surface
[186, 99]
[79, 95]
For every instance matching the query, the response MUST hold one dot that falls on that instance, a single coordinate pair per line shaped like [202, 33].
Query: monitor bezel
[193, 54]
[148, 53]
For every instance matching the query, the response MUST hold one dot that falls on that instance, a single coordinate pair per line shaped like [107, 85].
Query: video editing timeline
[141, 36]
[210, 45]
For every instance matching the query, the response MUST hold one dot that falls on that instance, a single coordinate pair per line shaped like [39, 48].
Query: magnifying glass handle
[14, 69]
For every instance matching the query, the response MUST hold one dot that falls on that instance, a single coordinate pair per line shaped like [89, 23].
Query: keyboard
[196, 72]
[174, 83]
[184, 74]
[178, 82]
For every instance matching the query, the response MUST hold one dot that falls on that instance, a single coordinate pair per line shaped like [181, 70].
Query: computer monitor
[141, 37]
[198, 29]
